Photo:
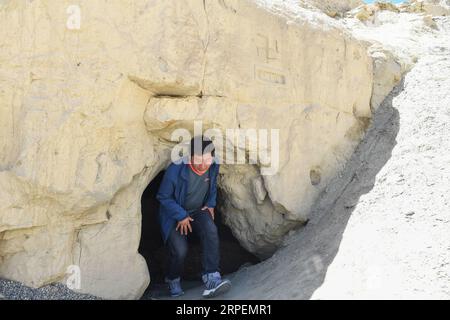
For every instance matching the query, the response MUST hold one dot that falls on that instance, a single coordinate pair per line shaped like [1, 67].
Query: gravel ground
[13, 290]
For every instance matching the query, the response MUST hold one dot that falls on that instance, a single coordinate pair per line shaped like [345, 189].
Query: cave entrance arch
[151, 246]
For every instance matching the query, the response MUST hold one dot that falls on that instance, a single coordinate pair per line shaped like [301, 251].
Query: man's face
[202, 162]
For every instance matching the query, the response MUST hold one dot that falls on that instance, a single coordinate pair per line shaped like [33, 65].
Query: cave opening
[151, 247]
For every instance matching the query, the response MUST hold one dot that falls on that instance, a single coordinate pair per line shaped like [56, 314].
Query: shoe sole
[221, 288]
[177, 295]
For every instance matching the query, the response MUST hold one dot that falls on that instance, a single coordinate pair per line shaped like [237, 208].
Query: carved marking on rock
[269, 75]
[266, 50]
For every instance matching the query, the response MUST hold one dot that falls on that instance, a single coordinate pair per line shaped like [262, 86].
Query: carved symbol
[265, 51]
[268, 53]
[271, 76]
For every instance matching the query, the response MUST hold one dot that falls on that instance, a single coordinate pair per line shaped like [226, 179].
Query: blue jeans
[204, 226]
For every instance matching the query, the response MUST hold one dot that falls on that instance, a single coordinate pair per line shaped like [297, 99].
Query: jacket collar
[185, 167]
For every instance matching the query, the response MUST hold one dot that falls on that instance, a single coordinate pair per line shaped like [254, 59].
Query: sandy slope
[397, 241]
[382, 228]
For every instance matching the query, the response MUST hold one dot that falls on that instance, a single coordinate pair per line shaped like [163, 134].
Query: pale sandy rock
[164, 115]
[364, 13]
[107, 253]
[259, 191]
[432, 7]
[428, 20]
[259, 226]
[367, 12]
[381, 5]
[333, 8]
[398, 40]
[87, 116]
[388, 73]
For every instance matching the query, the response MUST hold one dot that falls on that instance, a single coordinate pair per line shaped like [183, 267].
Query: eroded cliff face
[87, 116]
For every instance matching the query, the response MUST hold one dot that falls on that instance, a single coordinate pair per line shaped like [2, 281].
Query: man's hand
[211, 211]
[184, 225]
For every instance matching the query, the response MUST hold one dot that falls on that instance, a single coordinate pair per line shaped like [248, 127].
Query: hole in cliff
[151, 247]
[315, 176]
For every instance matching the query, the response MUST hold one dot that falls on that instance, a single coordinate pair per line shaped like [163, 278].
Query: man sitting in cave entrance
[187, 195]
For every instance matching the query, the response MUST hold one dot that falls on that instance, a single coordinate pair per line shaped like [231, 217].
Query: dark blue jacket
[172, 194]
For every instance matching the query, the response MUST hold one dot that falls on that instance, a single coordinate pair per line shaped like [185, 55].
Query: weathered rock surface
[333, 8]
[87, 115]
[369, 12]
[432, 7]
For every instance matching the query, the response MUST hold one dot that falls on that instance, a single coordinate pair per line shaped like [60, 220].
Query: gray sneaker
[215, 285]
[174, 287]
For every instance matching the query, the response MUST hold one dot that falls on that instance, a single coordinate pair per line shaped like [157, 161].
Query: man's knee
[180, 251]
